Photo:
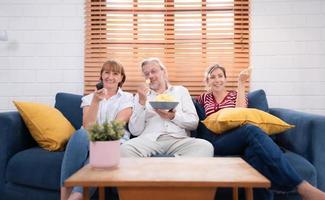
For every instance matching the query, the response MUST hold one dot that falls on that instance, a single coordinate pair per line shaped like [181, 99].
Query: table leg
[249, 193]
[85, 193]
[235, 193]
[101, 193]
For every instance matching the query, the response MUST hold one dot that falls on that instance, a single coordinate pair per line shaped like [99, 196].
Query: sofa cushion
[22, 192]
[69, 105]
[257, 99]
[230, 118]
[36, 167]
[50, 129]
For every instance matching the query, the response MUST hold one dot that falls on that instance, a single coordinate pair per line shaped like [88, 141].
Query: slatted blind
[187, 35]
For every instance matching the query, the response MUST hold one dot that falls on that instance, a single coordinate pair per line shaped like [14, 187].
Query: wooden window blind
[187, 35]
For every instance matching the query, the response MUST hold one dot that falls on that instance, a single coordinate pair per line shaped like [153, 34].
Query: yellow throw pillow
[47, 125]
[229, 118]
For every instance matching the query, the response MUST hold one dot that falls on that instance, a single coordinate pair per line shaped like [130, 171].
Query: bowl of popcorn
[164, 102]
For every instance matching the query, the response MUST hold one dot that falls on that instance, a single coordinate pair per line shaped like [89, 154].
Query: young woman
[256, 147]
[109, 103]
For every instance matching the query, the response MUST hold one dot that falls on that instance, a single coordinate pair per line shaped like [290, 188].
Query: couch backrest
[69, 105]
[257, 99]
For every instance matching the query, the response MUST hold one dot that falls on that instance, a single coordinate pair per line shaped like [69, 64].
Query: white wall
[288, 52]
[44, 53]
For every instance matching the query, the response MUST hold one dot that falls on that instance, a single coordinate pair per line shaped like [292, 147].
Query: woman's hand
[166, 114]
[100, 94]
[142, 92]
[241, 97]
[244, 75]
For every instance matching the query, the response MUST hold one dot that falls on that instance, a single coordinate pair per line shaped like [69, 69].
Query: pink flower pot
[104, 154]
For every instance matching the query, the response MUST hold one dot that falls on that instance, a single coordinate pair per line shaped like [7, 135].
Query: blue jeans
[75, 157]
[260, 151]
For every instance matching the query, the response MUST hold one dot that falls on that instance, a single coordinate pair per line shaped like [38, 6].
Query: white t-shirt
[109, 108]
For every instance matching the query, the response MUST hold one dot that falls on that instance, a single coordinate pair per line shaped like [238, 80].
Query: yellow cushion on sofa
[229, 118]
[47, 125]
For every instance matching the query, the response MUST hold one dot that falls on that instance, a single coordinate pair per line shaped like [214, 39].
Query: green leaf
[107, 131]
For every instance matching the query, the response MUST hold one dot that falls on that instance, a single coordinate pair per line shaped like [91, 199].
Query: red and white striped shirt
[210, 104]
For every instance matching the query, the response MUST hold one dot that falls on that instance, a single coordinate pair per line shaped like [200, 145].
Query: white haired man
[162, 132]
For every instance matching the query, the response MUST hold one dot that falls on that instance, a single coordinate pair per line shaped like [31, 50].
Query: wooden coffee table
[171, 178]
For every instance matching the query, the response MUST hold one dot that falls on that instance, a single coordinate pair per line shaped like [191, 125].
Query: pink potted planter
[104, 154]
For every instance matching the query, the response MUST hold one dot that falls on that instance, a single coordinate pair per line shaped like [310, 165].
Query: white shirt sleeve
[126, 101]
[137, 120]
[86, 100]
[186, 117]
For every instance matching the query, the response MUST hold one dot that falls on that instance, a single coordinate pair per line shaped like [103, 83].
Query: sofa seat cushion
[36, 167]
[22, 192]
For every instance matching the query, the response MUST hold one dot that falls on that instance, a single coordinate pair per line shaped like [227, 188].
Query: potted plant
[104, 150]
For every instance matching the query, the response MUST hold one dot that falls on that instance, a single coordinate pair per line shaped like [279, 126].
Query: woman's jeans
[75, 157]
[259, 150]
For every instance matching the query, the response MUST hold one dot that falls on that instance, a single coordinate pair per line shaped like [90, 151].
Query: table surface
[172, 172]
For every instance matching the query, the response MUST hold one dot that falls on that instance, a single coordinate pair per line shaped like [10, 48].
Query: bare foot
[309, 192]
[75, 196]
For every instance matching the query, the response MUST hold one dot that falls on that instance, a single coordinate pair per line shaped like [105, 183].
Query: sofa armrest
[14, 137]
[306, 139]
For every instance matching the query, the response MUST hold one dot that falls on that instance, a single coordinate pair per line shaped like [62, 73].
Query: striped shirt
[210, 104]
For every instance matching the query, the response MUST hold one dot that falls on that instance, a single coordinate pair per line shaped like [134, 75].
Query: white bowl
[163, 105]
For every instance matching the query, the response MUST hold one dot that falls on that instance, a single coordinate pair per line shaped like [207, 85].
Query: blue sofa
[31, 173]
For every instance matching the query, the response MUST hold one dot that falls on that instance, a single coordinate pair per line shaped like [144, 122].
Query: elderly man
[160, 131]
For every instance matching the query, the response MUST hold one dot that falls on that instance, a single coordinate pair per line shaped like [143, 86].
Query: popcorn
[165, 97]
